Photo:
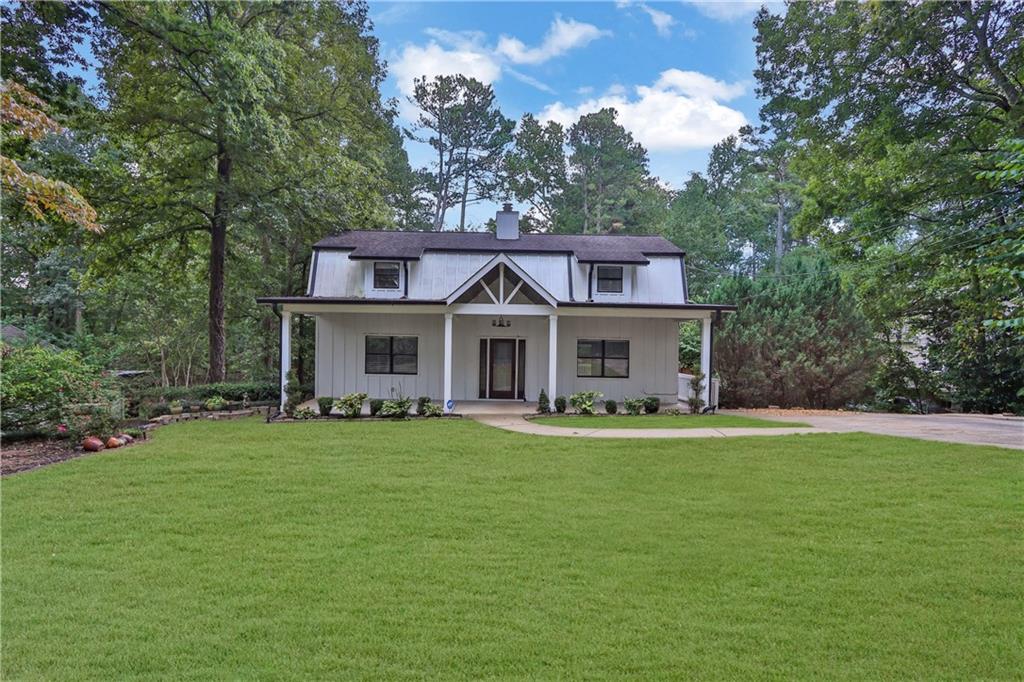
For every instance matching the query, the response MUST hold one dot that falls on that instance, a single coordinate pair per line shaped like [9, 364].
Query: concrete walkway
[974, 429]
[519, 425]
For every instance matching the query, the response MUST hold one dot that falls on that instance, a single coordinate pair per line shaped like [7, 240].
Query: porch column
[286, 352]
[447, 361]
[552, 357]
[705, 359]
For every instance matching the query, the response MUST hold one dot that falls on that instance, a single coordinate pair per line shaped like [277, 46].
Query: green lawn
[446, 549]
[660, 421]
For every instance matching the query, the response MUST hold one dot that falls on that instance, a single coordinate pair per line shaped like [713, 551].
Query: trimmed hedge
[257, 390]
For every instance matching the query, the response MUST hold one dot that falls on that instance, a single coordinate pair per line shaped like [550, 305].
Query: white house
[463, 316]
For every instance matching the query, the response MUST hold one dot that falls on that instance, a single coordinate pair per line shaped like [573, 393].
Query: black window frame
[398, 274]
[605, 278]
[391, 354]
[603, 357]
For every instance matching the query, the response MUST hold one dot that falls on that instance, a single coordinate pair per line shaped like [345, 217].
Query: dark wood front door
[503, 368]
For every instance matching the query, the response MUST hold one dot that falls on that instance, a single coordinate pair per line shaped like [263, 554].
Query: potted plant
[176, 406]
[326, 404]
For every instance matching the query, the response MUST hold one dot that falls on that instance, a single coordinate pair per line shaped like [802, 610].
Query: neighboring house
[479, 316]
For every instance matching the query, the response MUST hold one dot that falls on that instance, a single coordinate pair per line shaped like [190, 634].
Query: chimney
[508, 223]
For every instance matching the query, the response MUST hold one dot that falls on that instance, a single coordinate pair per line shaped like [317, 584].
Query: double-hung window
[391, 354]
[609, 279]
[386, 275]
[598, 358]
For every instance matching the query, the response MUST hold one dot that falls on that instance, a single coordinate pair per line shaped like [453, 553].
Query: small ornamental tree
[543, 402]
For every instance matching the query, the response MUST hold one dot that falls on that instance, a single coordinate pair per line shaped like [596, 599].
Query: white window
[386, 275]
[609, 279]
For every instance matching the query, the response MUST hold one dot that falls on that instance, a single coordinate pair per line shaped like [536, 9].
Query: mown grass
[445, 549]
[660, 421]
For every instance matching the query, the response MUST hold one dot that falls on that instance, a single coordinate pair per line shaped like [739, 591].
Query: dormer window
[609, 279]
[386, 275]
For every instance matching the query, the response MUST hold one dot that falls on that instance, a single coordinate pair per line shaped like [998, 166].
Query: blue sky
[680, 73]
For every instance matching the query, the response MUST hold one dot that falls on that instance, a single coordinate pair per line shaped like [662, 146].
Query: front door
[503, 368]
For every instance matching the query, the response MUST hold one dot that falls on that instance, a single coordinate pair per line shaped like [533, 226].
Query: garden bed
[32, 454]
[659, 421]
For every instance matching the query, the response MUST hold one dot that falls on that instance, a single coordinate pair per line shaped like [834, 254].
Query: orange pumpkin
[113, 442]
[92, 444]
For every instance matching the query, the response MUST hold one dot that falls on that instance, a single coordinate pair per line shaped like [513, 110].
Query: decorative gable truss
[501, 281]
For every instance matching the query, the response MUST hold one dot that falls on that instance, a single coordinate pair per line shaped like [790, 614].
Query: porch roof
[326, 300]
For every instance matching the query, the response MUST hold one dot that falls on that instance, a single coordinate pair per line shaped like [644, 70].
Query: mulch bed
[32, 454]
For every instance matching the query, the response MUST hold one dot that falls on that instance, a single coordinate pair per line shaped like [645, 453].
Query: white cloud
[562, 36]
[681, 110]
[725, 10]
[530, 80]
[467, 52]
[663, 21]
[432, 59]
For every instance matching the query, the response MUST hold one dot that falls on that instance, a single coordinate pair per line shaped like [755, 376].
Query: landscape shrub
[304, 413]
[633, 406]
[375, 406]
[351, 405]
[325, 403]
[583, 401]
[431, 410]
[38, 386]
[397, 408]
[696, 398]
[611, 407]
[560, 404]
[543, 402]
[421, 404]
[215, 403]
[97, 421]
[652, 404]
[260, 391]
[294, 393]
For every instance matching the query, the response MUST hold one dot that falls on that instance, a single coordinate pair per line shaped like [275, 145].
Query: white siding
[341, 350]
[337, 275]
[437, 275]
[468, 331]
[653, 356]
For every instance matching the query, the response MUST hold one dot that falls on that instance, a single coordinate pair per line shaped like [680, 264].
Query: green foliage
[304, 413]
[633, 406]
[396, 408]
[375, 405]
[431, 410]
[560, 404]
[38, 387]
[294, 395]
[796, 341]
[543, 402]
[909, 172]
[421, 403]
[696, 398]
[326, 403]
[583, 401]
[95, 421]
[652, 404]
[611, 407]
[215, 403]
[351, 405]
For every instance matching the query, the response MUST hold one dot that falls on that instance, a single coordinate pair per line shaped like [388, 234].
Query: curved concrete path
[520, 425]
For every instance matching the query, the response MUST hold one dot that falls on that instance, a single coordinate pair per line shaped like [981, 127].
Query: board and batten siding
[653, 356]
[436, 275]
[341, 354]
[341, 347]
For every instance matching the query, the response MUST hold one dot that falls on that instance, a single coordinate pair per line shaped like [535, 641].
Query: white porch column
[286, 352]
[447, 360]
[705, 359]
[552, 358]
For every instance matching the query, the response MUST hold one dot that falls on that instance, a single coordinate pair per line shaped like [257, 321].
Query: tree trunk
[779, 234]
[465, 190]
[218, 251]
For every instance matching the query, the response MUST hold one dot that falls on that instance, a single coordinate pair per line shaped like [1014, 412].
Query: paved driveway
[951, 428]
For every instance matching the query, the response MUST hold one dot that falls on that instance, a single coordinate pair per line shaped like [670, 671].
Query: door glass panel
[502, 363]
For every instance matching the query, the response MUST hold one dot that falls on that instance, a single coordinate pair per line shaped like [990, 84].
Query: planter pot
[177, 410]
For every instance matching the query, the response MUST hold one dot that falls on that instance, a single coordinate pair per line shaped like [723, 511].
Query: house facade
[467, 316]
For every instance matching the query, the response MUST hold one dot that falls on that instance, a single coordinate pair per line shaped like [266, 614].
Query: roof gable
[501, 264]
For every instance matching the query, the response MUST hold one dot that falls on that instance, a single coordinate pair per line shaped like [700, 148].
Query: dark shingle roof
[587, 248]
